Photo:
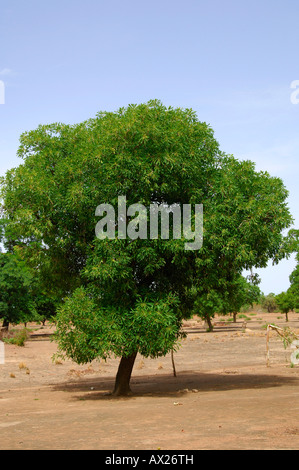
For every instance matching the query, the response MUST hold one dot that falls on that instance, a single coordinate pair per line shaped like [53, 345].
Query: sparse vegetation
[268, 303]
[244, 317]
[18, 337]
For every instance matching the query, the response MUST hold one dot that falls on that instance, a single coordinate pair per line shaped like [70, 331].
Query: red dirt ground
[223, 397]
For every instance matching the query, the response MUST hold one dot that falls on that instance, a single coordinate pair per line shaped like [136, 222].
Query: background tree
[22, 295]
[293, 243]
[16, 301]
[241, 292]
[45, 305]
[294, 280]
[128, 296]
[269, 303]
[285, 302]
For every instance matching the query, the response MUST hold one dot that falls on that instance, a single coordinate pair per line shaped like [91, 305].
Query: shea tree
[129, 295]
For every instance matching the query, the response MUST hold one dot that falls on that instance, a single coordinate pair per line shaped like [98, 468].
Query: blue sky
[232, 61]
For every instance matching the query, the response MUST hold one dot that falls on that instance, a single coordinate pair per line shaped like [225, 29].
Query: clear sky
[231, 61]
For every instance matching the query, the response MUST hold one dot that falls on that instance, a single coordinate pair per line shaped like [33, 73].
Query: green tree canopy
[125, 296]
[294, 284]
[268, 302]
[240, 292]
[285, 302]
[16, 301]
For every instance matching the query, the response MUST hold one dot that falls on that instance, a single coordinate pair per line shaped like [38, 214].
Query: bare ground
[223, 397]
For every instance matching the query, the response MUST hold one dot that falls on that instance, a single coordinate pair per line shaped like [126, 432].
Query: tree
[16, 301]
[45, 306]
[294, 280]
[268, 302]
[294, 277]
[125, 296]
[23, 296]
[240, 292]
[285, 302]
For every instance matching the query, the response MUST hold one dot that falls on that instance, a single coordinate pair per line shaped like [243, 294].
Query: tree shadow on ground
[97, 388]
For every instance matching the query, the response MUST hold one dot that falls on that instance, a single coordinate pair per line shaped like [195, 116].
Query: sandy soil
[223, 397]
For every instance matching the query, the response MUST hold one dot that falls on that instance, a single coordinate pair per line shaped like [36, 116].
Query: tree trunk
[209, 322]
[173, 364]
[235, 316]
[287, 317]
[123, 376]
[5, 324]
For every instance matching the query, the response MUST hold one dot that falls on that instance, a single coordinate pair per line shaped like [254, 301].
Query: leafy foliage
[127, 295]
[87, 330]
[293, 290]
[16, 302]
[285, 301]
[269, 303]
[241, 292]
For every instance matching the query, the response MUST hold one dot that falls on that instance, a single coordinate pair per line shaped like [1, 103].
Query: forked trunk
[123, 376]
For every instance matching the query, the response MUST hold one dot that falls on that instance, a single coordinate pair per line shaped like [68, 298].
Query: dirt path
[224, 396]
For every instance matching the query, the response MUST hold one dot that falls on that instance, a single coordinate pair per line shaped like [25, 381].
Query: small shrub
[58, 361]
[19, 338]
[245, 308]
[245, 317]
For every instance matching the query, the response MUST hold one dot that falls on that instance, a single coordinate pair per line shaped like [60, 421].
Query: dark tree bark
[123, 376]
[209, 322]
[5, 324]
